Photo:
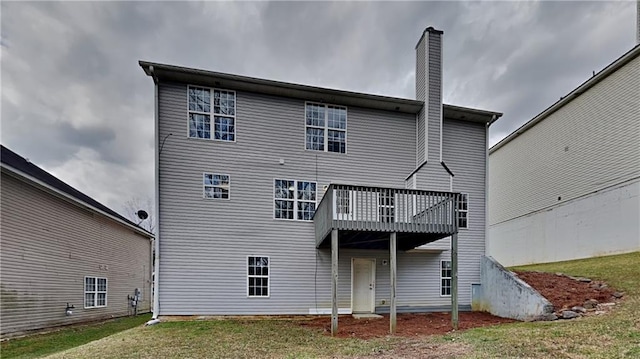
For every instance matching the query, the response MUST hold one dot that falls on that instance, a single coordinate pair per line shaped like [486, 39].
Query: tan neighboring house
[64, 257]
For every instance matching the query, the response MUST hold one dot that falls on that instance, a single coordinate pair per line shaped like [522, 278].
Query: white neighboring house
[566, 184]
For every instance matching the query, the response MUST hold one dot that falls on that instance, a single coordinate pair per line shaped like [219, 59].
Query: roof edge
[586, 85]
[68, 197]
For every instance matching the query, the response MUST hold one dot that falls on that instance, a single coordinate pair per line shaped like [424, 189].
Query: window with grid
[294, 199]
[201, 111]
[445, 278]
[463, 211]
[216, 186]
[343, 201]
[258, 276]
[326, 128]
[95, 292]
[386, 207]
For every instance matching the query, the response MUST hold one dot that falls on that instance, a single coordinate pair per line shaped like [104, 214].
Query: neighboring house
[59, 248]
[255, 177]
[566, 184]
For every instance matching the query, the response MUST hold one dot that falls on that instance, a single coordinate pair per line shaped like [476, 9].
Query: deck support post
[392, 268]
[454, 280]
[334, 281]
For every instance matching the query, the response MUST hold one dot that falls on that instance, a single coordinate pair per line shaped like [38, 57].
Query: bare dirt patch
[415, 348]
[566, 292]
[409, 325]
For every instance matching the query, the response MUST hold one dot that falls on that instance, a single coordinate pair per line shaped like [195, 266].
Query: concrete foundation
[503, 294]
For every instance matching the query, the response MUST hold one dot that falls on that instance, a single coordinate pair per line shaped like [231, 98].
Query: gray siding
[589, 144]
[49, 245]
[421, 92]
[434, 96]
[205, 243]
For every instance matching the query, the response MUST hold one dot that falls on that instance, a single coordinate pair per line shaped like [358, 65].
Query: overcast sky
[75, 101]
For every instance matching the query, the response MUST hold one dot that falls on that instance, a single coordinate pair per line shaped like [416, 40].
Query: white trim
[466, 211]
[373, 276]
[321, 311]
[326, 127]
[212, 114]
[441, 278]
[228, 187]
[417, 138]
[268, 276]
[426, 98]
[95, 292]
[156, 242]
[74, 200]
[295, 200]
[486, 189]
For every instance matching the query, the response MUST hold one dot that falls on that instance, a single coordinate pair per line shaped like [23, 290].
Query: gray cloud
[75, 101]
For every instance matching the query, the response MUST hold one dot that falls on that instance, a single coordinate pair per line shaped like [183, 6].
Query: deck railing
[379, 209]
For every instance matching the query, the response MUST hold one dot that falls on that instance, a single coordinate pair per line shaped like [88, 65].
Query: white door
[363, 285]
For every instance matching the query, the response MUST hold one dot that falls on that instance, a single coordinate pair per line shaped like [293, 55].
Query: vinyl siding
[434, 96]
[421, 92]
[49, 245]
[204, 243]
[589, 144]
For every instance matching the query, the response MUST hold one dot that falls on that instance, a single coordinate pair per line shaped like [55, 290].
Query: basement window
[95, 292]
[445, 278]
[257, 276]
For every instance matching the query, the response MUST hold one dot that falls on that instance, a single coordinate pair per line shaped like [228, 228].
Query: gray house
[279, 198]
[64, 257]
[566, 185]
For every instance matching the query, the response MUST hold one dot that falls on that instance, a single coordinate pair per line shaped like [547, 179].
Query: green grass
[39, 345]
[614, 335]
[225, 339]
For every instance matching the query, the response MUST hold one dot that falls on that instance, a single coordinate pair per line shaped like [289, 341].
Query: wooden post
[454, 280]
[334, 281]
[392, 269]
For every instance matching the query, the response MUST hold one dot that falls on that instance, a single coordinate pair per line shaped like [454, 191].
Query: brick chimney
[429, 90]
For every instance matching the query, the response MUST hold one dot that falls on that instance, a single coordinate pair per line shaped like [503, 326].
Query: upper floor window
[216, 186]
[201, 110]
[463, 211]
[326, 127]
[294, 199]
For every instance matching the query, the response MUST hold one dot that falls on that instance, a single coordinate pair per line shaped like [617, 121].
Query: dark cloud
[75, 101]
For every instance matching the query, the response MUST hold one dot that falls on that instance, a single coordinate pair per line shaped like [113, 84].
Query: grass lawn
[613, 335]
[40, 345]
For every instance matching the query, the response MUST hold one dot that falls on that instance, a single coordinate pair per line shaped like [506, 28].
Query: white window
[463, 211]
[325, 128]
[216, 186]
[223, 112]
[257, 276]
[95, 292]
[294, 199]
[445, 278]
[386, 207]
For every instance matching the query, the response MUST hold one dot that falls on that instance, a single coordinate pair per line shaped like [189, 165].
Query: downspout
[156, 268]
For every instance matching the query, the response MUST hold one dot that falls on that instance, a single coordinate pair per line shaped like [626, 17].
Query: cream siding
[49, 245]
[589, 144]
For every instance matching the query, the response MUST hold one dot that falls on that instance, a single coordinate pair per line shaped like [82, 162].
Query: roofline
[400, 104]
[74, 200]
[604, 73]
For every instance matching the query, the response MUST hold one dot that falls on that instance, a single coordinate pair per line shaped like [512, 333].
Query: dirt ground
[409, 325]
[565, 292]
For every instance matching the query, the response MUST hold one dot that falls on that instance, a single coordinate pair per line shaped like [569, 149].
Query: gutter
[613, 67]
[156, 266]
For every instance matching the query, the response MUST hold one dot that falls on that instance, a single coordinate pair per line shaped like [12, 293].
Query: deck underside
[380, 240]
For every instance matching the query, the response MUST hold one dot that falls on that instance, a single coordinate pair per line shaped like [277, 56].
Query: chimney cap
[434, 31]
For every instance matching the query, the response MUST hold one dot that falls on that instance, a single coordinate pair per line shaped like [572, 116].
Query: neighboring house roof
[310, 93]
[604, 73]
[21, 167]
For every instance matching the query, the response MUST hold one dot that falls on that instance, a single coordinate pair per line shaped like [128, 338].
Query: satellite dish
[142, 215]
